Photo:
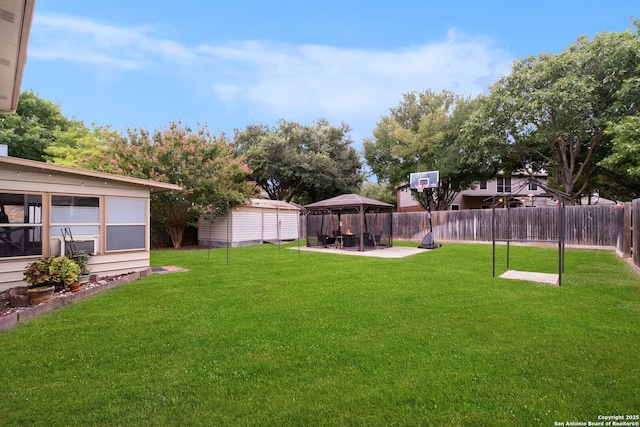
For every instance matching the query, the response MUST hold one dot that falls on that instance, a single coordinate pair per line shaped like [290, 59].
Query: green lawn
[281, 337]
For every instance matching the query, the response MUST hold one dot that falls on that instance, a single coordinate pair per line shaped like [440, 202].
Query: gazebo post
[361, 226]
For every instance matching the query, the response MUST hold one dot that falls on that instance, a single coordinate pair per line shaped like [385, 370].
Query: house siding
[474, 198]
[289, 225]
[270, 225]
[247, 226]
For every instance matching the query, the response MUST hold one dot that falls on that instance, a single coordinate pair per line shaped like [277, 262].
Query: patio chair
[326, 240]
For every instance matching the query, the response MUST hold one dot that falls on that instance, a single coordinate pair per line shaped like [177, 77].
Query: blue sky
[139, 63]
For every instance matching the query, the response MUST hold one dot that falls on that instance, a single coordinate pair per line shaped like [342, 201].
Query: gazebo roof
[347, 200]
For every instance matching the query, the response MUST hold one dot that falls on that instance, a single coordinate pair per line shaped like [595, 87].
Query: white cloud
[333, 82]
[298, 82]
[84, 40]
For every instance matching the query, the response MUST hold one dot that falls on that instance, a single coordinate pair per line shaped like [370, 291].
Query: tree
[381, 191]
[79, 147]
[204, 165]
[423, 134]
[621, 169]
[300, 163]
[625, 152]
[551, 113]
[33, 127]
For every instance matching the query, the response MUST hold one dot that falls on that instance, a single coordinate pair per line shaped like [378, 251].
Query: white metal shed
[256, 222]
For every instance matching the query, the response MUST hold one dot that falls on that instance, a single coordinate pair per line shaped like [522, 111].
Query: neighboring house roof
[15, 21]
[34, 166]
[347, 200]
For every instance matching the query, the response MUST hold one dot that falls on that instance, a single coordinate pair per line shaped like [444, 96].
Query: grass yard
[281, 337]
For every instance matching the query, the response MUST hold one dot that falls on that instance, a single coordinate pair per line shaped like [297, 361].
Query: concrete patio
[392, 252]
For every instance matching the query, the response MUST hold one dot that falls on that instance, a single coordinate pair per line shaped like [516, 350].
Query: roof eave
[154, 186]
[19, 59]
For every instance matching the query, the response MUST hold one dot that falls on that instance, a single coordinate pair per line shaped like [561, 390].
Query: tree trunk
[175, 232]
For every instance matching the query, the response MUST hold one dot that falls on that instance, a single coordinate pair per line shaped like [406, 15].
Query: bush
[48, 271]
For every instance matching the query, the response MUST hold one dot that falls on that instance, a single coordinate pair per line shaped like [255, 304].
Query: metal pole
[212, 209]
[228, 220]
[298, 231]
[278, 227]
[560, 240]
[390, 226]
[493, 234]
[506, 205]
[209, 245]
[429, 197]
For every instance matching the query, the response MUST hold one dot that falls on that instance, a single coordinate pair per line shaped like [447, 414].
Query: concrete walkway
[545, 278]
[168, 269]
[392, 252]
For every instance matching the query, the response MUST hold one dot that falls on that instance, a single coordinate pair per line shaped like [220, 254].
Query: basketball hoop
[419, 181]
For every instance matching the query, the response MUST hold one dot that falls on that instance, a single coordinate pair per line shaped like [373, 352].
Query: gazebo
[351, 222]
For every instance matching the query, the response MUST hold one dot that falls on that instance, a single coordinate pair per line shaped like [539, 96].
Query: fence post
[628, 230]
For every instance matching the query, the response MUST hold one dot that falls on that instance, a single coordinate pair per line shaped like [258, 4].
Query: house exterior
[108, 215]
[528, 194]
[255, 222]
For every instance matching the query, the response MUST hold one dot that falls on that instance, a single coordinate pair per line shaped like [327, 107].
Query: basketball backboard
[420, 180]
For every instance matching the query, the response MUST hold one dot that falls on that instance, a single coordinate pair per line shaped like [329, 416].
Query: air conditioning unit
[87, 244]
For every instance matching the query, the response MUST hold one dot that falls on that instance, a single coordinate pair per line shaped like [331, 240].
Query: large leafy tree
[79, 146]
[300, 163]
[203, 164]
[382, 191]
[621, 169]
[34, 126]
[423, 134]
[551, 113]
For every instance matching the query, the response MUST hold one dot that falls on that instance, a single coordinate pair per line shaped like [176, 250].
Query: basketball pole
[428, 242]
[429, 196]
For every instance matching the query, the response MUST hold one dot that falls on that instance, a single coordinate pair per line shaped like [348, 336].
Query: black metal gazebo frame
[505, 200]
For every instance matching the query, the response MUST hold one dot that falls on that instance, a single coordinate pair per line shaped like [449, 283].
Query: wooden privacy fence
[601, 226]
[588, 226]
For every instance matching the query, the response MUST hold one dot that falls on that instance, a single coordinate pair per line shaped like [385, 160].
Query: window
[504, 185]
[79, 214]
[20, 225]
[126, 224]
[455, 207]
[533, 186]
[483, 185]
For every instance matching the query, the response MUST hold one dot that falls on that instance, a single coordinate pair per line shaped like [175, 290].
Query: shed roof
[272, 204]
[35, 166]
[347, 200]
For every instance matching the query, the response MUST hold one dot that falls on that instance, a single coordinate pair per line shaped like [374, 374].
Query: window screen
[20, 225]
[126, 224]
